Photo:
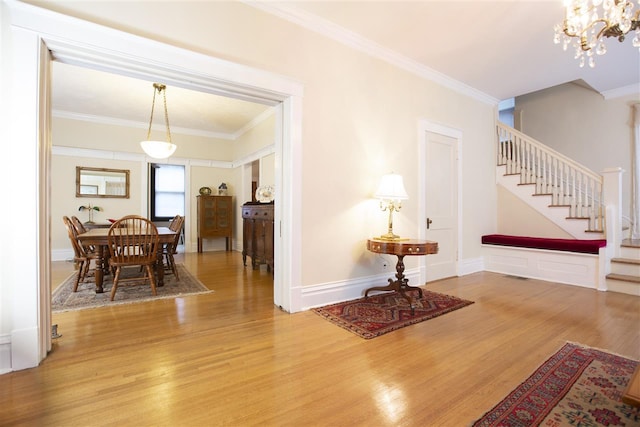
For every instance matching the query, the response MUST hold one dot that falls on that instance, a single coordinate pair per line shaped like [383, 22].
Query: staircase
[625, 269]
[564, 191]
[572, 197]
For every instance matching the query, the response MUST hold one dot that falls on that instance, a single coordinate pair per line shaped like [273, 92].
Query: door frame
[425, 126]
[90, 45]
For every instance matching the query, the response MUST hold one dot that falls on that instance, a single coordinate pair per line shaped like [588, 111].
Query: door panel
[441, 203]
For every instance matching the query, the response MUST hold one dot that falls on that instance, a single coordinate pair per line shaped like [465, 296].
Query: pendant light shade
[159, 149]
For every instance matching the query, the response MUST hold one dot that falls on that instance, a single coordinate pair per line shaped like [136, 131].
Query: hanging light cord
[159, 88]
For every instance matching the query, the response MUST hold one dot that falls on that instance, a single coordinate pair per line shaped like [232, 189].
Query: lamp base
[390, 237]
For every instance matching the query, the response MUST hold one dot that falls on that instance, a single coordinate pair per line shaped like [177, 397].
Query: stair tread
[626, 260]
[631, 243]
[624, 277]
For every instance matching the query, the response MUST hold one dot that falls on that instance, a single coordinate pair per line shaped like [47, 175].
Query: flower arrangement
[90, 209]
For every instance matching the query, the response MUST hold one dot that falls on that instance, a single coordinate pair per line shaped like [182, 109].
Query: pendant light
[159, 149]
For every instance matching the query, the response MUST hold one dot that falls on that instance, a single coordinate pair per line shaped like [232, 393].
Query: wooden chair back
[78, 249]
[176, 225]
[133, 240]
[80, 228]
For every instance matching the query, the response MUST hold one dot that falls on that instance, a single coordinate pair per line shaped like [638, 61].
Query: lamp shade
[158, 149]
[391, 188]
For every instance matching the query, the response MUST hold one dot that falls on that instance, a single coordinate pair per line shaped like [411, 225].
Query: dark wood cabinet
[257, 234]
[215, 219]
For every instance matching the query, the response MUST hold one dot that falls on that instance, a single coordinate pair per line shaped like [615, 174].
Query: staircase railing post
[612, 200]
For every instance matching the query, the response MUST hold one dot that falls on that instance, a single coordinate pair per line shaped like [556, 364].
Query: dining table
[98, 238]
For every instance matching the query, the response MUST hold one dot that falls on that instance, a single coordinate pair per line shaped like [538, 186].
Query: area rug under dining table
[64, 299]
[577, 386]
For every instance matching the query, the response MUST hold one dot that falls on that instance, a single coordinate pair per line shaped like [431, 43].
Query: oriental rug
[378, 314]
[578, 386]
[64, 299]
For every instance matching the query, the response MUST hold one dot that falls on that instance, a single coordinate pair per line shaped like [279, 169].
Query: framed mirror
[100, 182]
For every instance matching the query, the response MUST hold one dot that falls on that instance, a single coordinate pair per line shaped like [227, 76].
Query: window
[166, 191]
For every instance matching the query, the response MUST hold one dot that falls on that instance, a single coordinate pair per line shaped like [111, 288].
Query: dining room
[99, 176]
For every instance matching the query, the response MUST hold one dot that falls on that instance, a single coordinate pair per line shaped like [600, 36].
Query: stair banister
[566, 181]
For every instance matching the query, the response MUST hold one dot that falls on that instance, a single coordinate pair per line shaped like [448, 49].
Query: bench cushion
[567, 245]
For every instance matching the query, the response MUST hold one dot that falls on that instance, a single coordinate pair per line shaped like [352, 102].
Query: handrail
[566, 181]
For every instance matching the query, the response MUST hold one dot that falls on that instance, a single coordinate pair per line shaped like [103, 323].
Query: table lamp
[391, 192]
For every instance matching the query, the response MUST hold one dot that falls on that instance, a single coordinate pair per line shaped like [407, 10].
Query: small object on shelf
[222, 189]
[265, 194]
[205, 191]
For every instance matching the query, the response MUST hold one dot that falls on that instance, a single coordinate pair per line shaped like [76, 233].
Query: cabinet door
[268, 242]
[223, 213]
[247, 237]
[208, 214]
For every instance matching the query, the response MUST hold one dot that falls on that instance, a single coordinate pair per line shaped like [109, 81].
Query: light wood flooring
[231, 358]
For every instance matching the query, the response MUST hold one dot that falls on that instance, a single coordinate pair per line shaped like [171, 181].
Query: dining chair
[78, 224]
[172, 248]
[81, 256]
[133, 241]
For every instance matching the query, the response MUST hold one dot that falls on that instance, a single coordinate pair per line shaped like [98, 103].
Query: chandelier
[159, 149]
[588, 22]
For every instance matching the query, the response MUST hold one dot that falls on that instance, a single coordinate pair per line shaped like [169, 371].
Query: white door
[440, 207]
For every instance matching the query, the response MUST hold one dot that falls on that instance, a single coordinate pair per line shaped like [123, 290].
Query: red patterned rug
[378, 314]
[578, 386]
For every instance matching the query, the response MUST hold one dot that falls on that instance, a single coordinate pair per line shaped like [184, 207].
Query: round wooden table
[400, 248]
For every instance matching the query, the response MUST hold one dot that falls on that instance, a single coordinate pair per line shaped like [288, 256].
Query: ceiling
[500, 48]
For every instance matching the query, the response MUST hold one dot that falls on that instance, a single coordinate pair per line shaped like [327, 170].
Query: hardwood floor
[232, 358]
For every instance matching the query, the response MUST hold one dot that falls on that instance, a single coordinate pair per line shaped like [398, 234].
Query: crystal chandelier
[588, 22]
[159, 149]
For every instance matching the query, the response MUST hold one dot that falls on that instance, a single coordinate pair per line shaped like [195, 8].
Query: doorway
[117, 52]
[440, 201]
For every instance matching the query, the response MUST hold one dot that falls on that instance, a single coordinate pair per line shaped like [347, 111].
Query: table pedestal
[400, 248]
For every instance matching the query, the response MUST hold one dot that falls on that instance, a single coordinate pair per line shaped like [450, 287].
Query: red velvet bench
[567, 245]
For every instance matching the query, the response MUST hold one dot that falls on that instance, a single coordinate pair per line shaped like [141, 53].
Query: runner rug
[64, 299]
[578, 386]
[378, 314]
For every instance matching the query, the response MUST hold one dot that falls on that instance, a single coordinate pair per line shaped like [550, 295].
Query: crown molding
[349, 38]
[111, 121]
[633, 89]
[254, 122]
[140, 125]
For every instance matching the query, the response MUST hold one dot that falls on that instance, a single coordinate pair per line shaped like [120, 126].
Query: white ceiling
[500, 48]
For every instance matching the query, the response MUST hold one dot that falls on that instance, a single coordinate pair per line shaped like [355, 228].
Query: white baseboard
[5, 354]
[306, 297]
[555, 266]
[62, 254]
[470, 266]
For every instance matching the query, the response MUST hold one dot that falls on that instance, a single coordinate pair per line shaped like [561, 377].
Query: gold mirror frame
[102, 183]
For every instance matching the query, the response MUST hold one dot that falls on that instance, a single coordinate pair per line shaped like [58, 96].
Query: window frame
[153, 192]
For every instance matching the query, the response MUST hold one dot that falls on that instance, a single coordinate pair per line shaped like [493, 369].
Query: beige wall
[516, 218]
[97, 136]
[581, 124]
[360, 120]
[123, 140]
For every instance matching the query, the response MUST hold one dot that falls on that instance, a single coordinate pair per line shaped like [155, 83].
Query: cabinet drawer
[258, 212]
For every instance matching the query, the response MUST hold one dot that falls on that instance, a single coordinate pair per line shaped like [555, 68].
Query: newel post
[612, 200]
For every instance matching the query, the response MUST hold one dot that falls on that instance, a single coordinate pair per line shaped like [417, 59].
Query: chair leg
[152, 279]
[116, 277]
[172, 264]
[79, 276]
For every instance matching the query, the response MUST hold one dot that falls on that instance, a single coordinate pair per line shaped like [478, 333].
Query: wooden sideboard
[215, 219]
[257, 234]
